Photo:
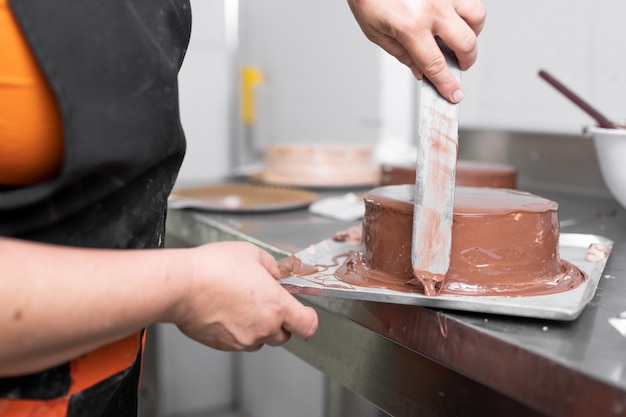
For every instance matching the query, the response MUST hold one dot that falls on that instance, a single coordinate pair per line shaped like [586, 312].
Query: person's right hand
[235, 303]
[407, 29]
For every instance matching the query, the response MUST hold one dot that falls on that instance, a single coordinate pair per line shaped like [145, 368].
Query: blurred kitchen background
[322, 80]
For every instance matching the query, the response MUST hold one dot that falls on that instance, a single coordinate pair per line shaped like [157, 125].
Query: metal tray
[563, 306]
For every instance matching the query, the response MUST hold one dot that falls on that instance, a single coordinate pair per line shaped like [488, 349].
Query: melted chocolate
[504, 242]
[354, 271]
[293, 266]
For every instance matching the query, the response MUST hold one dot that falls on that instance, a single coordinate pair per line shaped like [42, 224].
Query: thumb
[300, 320]
[269, 263]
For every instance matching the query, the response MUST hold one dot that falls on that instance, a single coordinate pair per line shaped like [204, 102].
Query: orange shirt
[31, 135]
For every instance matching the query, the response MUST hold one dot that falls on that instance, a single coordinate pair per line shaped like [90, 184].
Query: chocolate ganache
[504, 242]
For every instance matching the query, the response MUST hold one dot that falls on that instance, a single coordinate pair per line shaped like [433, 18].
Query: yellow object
[251, 77]
[31, 133]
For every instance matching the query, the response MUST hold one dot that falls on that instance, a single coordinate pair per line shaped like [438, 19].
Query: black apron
[112, 66]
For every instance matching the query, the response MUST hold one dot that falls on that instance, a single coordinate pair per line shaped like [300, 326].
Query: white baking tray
[562, 306]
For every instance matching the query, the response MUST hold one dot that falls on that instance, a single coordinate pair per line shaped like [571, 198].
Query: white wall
[321, 72]
[205, 93]
[579, 42]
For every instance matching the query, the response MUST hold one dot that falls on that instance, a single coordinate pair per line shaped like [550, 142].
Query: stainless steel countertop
[411, 360]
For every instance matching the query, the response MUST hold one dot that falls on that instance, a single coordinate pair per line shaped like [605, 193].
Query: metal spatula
[437, 149]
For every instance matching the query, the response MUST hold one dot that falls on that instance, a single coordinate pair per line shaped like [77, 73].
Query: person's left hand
[407, 29]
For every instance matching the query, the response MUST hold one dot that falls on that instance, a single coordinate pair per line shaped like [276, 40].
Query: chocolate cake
[468, 173]
[504, 242]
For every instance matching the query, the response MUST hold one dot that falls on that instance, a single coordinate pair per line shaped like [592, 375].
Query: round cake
[504, 242]
[319, 164]
[468, 173]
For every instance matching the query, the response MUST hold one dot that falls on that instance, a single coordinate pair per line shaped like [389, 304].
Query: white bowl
[610, 147]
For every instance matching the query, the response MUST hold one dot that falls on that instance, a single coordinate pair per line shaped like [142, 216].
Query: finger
[254, 348]
[473, 12]
[417, 73]
[279, 338]
[429, 61]
[395, 49]
[299, 319]
[461, 39]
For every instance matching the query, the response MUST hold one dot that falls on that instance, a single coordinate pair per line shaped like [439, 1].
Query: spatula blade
[437, 150]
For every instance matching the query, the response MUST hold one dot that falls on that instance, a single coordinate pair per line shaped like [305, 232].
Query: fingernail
[457, 96]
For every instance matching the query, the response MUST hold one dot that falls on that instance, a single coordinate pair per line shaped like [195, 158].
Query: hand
[234, 301]
[407, 30]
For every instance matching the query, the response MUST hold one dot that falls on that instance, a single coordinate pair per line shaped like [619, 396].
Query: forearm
[57, 302]
[60, 302]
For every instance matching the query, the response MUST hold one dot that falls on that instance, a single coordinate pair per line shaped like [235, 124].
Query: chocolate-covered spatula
[437, 149]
